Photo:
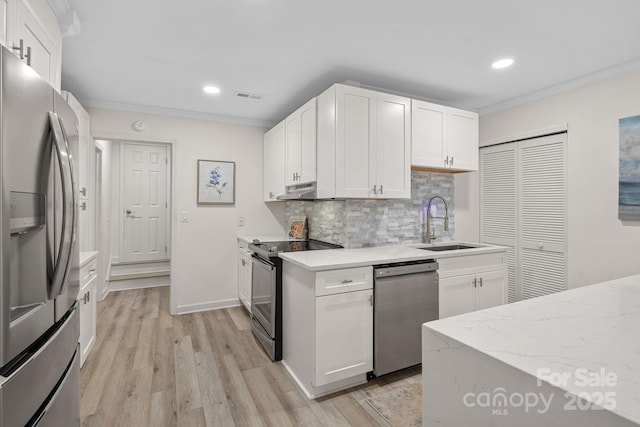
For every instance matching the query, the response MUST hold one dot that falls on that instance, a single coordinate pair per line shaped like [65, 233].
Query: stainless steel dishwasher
[405, 296]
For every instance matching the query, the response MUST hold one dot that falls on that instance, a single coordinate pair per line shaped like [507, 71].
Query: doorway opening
[138, 205]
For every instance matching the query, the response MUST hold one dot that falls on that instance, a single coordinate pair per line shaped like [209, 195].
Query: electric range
[266, 289]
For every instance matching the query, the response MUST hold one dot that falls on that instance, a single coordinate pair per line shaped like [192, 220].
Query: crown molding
[174, 112]
[598, 76]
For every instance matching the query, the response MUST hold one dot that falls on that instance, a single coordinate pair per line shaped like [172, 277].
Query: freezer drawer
[63, 409]
[27, 388]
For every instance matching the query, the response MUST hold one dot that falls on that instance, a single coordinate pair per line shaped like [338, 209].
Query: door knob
[128, 211]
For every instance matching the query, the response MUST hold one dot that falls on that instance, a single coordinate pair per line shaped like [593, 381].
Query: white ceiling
[155, 55]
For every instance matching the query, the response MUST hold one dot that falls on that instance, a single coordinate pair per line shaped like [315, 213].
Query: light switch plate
[241, 221]
[184, 216]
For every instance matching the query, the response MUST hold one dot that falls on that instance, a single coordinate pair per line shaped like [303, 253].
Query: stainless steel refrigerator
[39, 280]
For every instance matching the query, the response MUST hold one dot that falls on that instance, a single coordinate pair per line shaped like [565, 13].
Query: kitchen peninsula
[570, 358]
[328, 304]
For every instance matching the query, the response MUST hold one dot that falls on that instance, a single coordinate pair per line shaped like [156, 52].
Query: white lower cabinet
[344, 338]
[244, 275]
[327, 326]
[87, 306]
[469, 283]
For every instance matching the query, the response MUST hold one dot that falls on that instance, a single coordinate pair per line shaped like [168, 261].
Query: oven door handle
[265, 264]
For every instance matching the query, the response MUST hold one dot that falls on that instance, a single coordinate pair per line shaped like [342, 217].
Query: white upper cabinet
[355, 161]
[274, 160]
[364, 144]
[85, 169]
[32, 31]
[393, 146]
[300, 164]
[5, 5]
[443, 138]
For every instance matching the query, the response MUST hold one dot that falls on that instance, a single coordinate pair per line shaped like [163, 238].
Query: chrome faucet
[429, 234]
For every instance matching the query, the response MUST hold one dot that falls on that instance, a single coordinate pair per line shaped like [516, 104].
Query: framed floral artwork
[216, 182]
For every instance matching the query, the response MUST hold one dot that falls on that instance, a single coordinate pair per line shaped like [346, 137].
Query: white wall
[600, 246]
[204, 251]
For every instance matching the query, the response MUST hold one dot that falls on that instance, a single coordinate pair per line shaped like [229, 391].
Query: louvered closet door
[498, 205]
[542, 208]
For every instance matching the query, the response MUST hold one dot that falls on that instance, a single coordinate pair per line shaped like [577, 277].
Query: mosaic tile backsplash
[357, 223]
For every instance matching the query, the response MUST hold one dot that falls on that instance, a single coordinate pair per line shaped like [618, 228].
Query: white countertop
[331, 259]
[596, 328]
[87, 256]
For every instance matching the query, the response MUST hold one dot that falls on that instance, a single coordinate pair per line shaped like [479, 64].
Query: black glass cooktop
[273, 248]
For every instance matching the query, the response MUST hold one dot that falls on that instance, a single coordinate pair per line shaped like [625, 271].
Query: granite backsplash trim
[356, 223]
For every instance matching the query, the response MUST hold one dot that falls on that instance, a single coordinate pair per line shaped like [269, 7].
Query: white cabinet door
[5, 14]
[87, 304]
[301, 145]
[244, 278]
[343, 336]
[393, 146]
[42, 41]
[490, 289]
[86, 148]
[428, 134]
[274, 162]
[457, 295]
[292, 150]
[462, 137]
[308, 122]
[443, 137]
[355, 142]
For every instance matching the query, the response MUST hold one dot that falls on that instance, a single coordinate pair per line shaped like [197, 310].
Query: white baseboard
[321, 391]
[205, 306]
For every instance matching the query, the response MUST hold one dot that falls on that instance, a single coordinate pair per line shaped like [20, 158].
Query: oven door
[263, 293]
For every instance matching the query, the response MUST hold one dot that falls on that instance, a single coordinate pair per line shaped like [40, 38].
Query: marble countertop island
[570, 358]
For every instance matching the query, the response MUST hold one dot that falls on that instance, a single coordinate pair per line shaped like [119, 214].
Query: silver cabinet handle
[83, 191]
[481, 282]
[20, 49]
[244, 263]
[371, 300]
[475, 283]
[451, 164]
[446, 161]
[375, 191]
[380, 189]
[345, 281]
[83, 206]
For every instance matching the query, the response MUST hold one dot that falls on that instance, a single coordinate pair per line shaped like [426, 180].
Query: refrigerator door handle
[66, 232]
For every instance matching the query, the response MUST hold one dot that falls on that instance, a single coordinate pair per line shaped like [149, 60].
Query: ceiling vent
[248, 95]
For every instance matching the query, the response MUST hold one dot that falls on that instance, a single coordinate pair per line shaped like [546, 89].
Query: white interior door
[498, 206]
[543, 215]
[145, 207]
[523, 200]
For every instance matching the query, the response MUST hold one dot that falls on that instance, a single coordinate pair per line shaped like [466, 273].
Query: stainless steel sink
[448, 247]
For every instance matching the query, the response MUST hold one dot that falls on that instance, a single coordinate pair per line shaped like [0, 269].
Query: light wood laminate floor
[149, 368]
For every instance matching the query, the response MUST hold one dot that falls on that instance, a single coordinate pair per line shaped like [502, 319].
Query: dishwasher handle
[400, 269]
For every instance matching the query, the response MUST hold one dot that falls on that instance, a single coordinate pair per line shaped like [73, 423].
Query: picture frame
[216, 182]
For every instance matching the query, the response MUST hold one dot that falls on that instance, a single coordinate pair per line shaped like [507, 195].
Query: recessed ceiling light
[211, 89]
[502, 63]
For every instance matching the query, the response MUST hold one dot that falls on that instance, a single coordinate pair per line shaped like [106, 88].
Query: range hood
[300, 192]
